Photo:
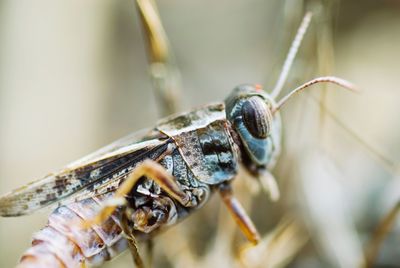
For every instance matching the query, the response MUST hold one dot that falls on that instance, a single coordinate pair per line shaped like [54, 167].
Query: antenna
[325, 79]
[292, 54]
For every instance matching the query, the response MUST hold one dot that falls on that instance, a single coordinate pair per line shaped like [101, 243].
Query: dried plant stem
[380, 234]
[163, 71]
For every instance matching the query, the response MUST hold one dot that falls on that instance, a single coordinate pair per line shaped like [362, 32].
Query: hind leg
[150, 169]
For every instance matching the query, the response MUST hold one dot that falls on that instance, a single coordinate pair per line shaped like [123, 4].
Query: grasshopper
[144, 183]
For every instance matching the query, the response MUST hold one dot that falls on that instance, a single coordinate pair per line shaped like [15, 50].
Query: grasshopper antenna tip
[324, 79]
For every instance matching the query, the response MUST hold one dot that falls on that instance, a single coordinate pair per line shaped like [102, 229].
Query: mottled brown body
[196, 148]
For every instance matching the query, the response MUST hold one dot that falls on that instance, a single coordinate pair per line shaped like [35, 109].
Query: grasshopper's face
[249, 109]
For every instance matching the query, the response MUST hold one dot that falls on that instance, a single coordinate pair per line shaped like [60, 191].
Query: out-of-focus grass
[73, 76]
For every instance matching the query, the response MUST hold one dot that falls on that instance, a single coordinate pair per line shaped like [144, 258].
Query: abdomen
[63, 242]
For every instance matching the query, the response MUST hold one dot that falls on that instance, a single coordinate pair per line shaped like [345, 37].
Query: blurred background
[74, 77]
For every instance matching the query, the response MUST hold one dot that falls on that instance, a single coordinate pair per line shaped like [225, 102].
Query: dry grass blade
[277, 248]
[383, 229]
[164, 74]
[325, 210]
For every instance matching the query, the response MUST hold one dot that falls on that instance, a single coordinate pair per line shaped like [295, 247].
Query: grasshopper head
[250, 111]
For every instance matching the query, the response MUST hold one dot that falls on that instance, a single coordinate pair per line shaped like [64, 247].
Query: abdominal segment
[65, 243]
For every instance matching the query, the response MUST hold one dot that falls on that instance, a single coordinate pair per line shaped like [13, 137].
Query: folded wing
[93, 175]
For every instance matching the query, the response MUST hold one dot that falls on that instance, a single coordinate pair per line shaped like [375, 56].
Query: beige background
[73, 77]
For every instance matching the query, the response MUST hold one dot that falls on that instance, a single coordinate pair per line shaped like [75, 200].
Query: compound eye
[257, 117]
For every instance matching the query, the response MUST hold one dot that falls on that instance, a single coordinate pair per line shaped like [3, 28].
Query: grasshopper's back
[197, 148]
